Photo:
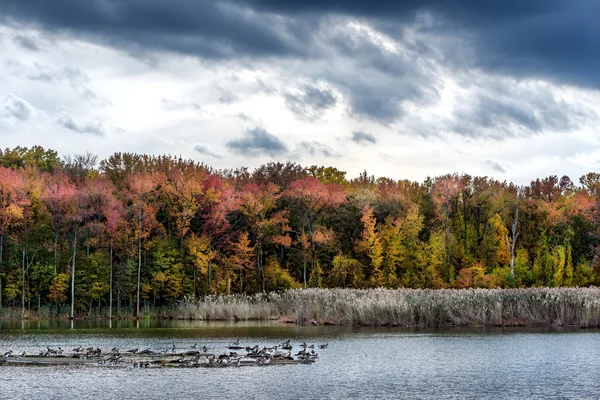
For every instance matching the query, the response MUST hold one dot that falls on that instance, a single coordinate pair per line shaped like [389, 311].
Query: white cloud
[208, 150]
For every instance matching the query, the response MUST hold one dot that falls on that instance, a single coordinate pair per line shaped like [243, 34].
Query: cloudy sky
[402, 88]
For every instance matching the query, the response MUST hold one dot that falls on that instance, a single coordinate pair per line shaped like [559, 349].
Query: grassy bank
[407, 307]
[402, 307]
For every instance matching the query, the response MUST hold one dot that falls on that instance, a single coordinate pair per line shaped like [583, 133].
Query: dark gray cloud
[205, 28]
[257, 141]
[361, 137]
[378, 81]
[26, 43]
[208, 150]
[505, 110]
[552, 39]
[555, 40]
[496, 166]
[310, 102]
[67, 121]
[12, 106]
[316, 149]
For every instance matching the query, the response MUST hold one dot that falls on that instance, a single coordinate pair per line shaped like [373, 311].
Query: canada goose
[323, 346]
[286, 345]
[8, 354]
[132, 351]
[204, 349]
[195, 346]
[263, 360]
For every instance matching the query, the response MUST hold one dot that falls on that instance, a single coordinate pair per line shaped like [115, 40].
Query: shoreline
[577, 307]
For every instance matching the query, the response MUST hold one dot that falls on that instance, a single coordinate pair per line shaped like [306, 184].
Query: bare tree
[78, 166]
[512, 244]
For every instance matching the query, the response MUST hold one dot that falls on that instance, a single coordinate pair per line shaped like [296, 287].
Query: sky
[403, 89]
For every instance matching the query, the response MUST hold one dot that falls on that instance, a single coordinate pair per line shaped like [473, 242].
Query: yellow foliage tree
[501, 253]
[200, 250]
[278, 278]
[370, 245]
[58, 288]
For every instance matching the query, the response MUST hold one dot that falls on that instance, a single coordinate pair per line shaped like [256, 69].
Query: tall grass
[401, 307]
[406, 307]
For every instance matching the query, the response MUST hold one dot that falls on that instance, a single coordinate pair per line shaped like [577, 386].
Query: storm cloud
[551, 39]
[204, 28]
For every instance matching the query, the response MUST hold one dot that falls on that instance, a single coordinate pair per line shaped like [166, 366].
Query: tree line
[138, 229]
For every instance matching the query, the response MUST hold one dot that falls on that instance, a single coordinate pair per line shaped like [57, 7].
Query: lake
[456, 363]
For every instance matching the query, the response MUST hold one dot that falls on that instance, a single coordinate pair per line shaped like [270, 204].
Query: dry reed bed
[406, 307]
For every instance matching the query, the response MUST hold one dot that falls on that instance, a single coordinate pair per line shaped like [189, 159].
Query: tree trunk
[259, 263]
[209, 278]
[73, 273]
[512, 245]
[55, 250]
[447, 217]
[139, 274]
[304, 257]
[465, 224]
[23, 284]
[110, 294]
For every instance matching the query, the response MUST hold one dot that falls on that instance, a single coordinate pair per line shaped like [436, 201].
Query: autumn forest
[78, 233]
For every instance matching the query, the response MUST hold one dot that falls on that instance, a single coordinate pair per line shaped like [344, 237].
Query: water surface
[359, 362]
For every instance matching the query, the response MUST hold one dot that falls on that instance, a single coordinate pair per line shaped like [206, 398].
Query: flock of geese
[192, 356]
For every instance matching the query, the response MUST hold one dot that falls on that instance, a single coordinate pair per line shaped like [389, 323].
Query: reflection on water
[360, 362]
